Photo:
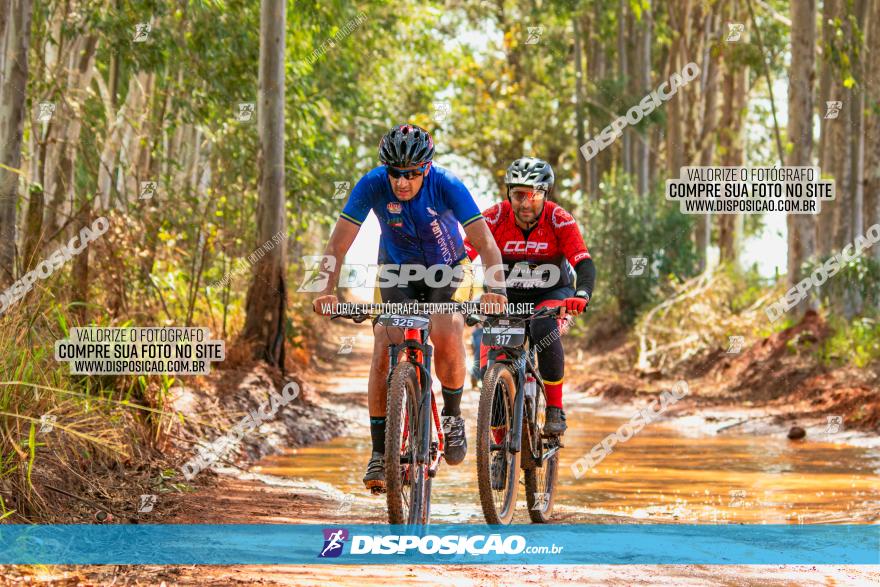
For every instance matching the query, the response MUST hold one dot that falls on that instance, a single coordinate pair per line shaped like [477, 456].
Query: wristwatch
[582, 294]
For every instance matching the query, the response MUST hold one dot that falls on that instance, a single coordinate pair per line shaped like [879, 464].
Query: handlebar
[360, 312]
[475, 319]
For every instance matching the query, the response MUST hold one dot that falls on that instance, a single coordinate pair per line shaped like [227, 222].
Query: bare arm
[343, 236]
[481, 238]
[341, 239]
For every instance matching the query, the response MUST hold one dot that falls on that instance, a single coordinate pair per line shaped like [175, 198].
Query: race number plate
[417, 322]
[509, 336]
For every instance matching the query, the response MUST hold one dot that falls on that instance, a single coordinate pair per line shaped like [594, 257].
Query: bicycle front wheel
[407, 484]
[497, 466]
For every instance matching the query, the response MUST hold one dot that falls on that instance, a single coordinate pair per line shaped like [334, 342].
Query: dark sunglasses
[407, 174]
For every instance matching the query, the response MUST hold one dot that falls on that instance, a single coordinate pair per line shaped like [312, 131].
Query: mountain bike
[414, 440]
[510, 422]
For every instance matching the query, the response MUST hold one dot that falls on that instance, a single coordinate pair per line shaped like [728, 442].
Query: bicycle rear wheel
[541, 489]
[540, 471]
[407, 485]
[498, 488]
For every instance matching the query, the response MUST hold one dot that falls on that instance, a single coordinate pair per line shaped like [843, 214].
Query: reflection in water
[659, 474]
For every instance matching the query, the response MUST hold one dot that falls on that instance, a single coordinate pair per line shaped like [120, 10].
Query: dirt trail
[245, 497]
[501, 576]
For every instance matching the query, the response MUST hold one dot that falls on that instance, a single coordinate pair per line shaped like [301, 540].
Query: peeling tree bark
[15, 27]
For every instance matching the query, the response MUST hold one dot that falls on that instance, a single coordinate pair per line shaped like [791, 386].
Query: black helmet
[532, 172]
[406, 145]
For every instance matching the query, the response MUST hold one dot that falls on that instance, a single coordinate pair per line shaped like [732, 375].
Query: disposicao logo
[334, 539]
[432, 544]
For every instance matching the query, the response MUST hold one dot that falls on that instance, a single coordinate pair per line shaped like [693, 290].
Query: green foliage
[751, 287]
[856, 342]
[859, 276]
[620, 225]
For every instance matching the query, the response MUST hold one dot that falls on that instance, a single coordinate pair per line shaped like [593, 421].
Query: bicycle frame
[420, 354]
[524, 362]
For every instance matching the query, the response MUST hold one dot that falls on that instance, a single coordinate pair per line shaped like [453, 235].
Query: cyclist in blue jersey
[420, 207]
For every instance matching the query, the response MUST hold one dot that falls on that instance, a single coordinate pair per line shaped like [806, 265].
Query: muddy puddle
[659, 475]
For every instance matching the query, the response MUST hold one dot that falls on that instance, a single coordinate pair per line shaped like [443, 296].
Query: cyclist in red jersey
[532, 231]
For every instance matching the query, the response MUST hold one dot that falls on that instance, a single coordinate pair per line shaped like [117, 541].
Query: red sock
[554, 394]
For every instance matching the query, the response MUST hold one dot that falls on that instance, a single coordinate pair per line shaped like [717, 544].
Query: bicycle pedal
[553, 441]
[376, 487]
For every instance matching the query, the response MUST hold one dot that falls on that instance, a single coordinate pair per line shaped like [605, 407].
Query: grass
[92, 429]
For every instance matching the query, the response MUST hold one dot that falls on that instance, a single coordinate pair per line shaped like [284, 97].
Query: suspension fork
[518, 403]
[428, 405]
[421, 357]
[515, 358]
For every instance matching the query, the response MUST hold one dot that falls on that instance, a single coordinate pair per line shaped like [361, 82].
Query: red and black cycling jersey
[554, 239]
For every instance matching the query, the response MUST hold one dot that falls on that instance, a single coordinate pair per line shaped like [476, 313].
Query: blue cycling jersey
[423, 230]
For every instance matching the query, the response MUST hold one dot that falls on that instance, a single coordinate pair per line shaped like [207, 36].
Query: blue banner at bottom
[471, 544]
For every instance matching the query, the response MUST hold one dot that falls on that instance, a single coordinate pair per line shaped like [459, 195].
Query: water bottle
[531, 386]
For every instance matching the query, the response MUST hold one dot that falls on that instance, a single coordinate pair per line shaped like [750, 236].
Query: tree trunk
[15, 27]
[623, 76]
[643, 152]
[736, 79]
[872, 123]
[78, 80]
[825, 219]
[674, 134]
[595, 73]
[80, 271]
[675, 153]
[55, 46]
[857, 124]
[853, 302]
[801, 78]
[267, 295]
[119, 123]
[33, 227]
[579, 108]
[841, 147]
[703, 228]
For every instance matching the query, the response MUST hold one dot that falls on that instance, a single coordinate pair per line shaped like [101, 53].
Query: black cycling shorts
[460, 290]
